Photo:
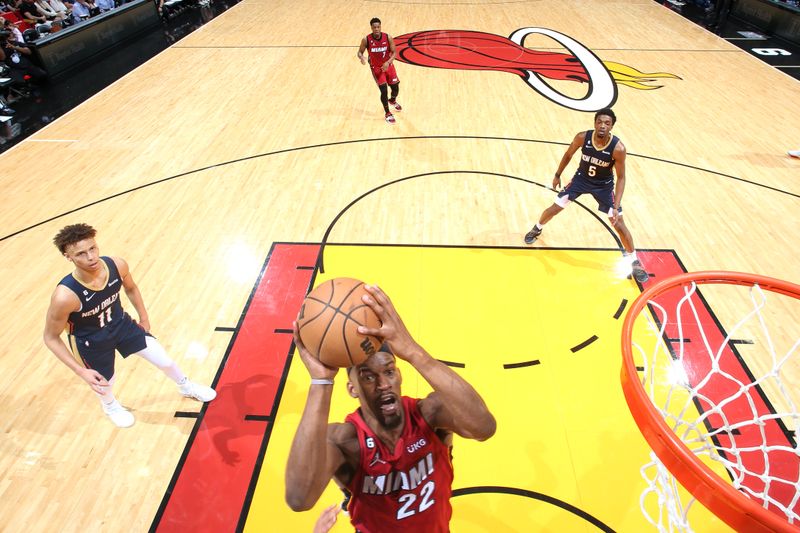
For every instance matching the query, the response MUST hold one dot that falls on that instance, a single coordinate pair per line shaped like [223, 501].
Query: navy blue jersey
[101, 311]
[597, 163]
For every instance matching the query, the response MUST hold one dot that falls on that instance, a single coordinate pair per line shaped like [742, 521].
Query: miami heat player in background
[381, 61]
[392, 454]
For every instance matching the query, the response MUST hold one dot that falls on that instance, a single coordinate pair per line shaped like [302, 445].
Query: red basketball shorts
[390, 76]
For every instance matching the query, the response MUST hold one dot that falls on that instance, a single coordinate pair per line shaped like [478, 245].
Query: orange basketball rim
[715, 493]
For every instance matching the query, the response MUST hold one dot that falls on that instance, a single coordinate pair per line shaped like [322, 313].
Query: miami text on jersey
[399, 480]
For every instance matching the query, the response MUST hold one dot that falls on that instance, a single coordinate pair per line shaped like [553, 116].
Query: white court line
[50, 140]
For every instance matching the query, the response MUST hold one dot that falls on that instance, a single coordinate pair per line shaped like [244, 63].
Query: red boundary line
[212, 484]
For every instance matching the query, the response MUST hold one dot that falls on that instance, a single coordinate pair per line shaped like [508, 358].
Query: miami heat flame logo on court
[475, 50]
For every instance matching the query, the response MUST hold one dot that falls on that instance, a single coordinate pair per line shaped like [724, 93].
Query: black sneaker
[638, 271]
[532, 234]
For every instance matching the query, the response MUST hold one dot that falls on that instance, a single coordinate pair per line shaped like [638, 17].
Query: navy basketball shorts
[97, 351]
[602, 191]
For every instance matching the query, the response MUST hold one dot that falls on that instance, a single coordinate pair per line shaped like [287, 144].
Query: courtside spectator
[31, 13]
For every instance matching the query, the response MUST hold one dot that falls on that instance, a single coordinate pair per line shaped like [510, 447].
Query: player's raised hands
[314, 366]
[392, 331]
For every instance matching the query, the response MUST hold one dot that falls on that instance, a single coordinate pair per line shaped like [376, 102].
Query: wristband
[322, 382]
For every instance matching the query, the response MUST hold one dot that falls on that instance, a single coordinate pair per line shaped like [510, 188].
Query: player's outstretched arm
[314, 456]
[454, 404]
[62, 303]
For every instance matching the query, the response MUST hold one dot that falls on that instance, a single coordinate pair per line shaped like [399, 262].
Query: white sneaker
[121, 417]
[198, 392]
[794, 153]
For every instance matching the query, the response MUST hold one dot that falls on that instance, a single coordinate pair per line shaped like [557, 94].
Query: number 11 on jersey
[105, 317]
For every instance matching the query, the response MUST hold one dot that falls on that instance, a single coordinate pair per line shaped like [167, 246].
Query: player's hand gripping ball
[329, 319]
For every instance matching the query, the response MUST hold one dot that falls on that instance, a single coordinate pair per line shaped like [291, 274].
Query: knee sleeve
[562, 201]
[155, 354]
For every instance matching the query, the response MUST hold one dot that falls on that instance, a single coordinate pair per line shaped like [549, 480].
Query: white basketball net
[730, 413]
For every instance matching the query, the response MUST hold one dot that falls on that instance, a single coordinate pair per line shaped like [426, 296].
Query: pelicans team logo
[475, 50]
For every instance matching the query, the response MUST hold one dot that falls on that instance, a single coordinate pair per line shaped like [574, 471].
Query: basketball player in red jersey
[393, 453]
[381, 60]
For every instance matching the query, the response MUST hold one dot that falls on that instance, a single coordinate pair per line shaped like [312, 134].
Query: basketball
[328, 322]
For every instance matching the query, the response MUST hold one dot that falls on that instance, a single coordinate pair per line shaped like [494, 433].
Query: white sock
[175, 374]
[631, 255]
[539, 226]
[107, 399]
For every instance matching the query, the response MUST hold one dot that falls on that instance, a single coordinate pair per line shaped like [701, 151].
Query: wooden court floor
[262, 127]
